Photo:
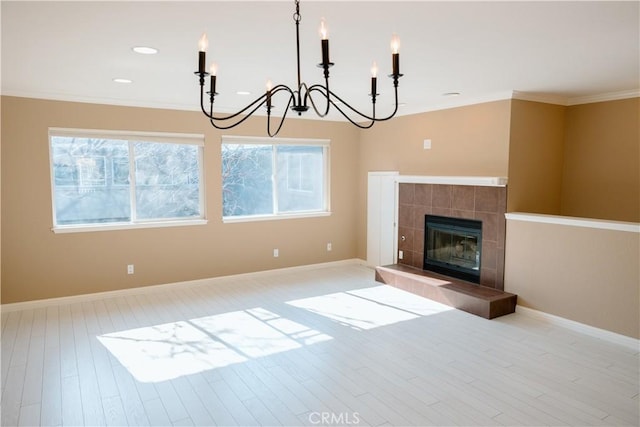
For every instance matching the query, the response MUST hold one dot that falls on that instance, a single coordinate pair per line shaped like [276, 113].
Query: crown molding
[544, 98]
[464, 101]
[611, 96]
[576, 100]
[97, 100]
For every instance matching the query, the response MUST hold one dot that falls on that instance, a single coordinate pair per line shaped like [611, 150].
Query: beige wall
[602, 161]
[559, 270]
[469, 141]
[535, 157]
[518, 139]
[36, 263]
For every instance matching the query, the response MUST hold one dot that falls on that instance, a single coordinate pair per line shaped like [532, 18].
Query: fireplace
[453, 246]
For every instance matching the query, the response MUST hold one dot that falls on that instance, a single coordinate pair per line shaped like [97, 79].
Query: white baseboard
[602, 334]
[163, 287]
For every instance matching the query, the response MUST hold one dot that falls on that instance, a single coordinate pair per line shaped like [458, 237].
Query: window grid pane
[167, 181]
[268, 180]
[83, 191]
[246, 180]
[306, 193]
[95, 180]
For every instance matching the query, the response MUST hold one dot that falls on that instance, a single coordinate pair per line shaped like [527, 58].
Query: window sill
[252, 218]
[126, 226]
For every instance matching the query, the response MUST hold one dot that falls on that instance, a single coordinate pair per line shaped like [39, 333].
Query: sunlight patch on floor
[370, 308]
[167, 351]
[402, 300]
[162, 352]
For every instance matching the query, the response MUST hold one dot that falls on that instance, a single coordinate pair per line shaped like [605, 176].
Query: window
[274, 178]
[298, 177]
[103, 179]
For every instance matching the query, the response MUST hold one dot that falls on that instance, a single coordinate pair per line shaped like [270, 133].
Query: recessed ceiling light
[145, 50]
[451, 94]
[120, 80]
[243, 92]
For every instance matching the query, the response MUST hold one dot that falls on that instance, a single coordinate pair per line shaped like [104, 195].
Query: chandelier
[300, 98]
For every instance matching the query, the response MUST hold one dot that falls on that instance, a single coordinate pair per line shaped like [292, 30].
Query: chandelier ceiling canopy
[300, 98]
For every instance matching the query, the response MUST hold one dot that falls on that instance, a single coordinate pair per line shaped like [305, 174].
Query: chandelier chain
[296, 16]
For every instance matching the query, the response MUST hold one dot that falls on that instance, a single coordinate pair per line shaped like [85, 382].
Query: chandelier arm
[324, 90]
[365, 116]
[282, 87]
[234, 124]
[259, 101]
[353, 122]
[210, 116]
[319, 88]
[284, 116]
[307, 95]
[213, 119]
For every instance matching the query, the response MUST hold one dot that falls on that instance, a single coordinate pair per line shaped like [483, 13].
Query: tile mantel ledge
[632, 227]
[486, 181]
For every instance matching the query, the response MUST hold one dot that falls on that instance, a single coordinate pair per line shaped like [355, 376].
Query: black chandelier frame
[300, 99]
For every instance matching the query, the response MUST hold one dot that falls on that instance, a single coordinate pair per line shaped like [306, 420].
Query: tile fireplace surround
[485, 203]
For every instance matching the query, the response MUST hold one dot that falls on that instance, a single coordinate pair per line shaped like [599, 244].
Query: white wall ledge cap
[632, 227]
[486, 181]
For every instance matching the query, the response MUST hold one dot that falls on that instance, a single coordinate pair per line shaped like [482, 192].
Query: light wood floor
[328, 346]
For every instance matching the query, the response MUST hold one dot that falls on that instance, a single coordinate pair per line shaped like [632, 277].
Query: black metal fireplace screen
[453, 246]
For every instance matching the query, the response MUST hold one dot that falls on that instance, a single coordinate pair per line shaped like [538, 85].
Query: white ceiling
[566, 52]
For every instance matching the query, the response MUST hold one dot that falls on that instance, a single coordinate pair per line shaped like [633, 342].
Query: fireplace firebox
[453, 246]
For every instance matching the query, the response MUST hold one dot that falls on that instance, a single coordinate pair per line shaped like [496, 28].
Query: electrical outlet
[130, 269]
[400, 254]
[329, 247]
[276, 253]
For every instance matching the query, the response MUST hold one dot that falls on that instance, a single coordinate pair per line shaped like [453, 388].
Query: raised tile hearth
[472, 298]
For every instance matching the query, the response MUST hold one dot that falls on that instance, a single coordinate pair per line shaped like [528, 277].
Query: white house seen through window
[101, 177]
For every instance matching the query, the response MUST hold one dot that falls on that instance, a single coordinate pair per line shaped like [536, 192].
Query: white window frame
[326, 166]
[131, 137]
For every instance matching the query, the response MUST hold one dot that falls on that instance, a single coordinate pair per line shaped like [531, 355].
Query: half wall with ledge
[581, 269]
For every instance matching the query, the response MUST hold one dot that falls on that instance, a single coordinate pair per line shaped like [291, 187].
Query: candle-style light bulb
[374, 80]
[395, 56]
[323, 30]
[324, 43]
[395, 43]
[213, 69]
[203, 43]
